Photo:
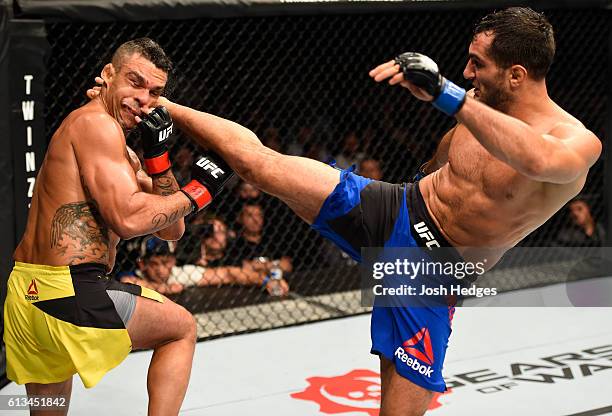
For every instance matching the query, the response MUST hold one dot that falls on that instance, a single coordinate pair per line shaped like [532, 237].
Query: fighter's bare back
[64, 223]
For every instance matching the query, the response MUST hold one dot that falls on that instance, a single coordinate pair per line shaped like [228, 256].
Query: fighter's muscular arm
[561, 156]
[301, 183]
[106, 171]
[163, 184]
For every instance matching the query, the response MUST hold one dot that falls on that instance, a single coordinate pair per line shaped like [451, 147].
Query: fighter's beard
[497, 99]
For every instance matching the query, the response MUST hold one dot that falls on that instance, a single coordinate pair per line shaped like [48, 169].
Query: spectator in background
[370, 168]
[247, 192]
[584, 230]
[155, 267]
[252, 247]
[157, 270]
[188, 248]
[351, 153]
[244, 193]
[249, 235]
[213, 244]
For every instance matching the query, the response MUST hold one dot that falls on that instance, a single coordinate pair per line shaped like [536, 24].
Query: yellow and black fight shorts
[60, 320]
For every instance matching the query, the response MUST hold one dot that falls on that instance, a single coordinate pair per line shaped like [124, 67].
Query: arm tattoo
[165, 184]
[162, 220]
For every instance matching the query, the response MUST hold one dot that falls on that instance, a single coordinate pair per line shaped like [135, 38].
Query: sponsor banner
[548, 380]
[441, 276]
[27, 48]
[356, 392]
[517, 381]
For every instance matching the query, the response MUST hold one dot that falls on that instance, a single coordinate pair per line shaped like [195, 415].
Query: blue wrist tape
[451, 98]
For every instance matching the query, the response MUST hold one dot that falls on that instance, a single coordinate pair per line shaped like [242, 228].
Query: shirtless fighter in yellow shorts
[63, 314]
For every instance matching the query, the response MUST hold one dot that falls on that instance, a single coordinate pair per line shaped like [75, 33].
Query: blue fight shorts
[362, 212]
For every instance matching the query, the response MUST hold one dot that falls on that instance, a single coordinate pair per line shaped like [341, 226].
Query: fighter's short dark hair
[521, 36]
[148, 49]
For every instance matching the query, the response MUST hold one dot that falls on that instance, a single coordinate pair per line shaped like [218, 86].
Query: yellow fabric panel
[43, 349]
[51, 282]
[151, 294]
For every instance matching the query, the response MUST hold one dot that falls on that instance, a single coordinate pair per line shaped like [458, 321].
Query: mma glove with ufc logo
[423, 72]
[208, 176]
[155, 131]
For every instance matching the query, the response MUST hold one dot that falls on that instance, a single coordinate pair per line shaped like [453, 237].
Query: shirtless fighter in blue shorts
[516, 154]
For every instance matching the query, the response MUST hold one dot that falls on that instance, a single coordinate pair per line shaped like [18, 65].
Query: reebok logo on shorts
[32, 291]
[419, 346]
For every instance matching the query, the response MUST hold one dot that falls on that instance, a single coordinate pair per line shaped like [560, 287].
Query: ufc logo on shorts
[164, 134]
[208, 165]
[424, 233]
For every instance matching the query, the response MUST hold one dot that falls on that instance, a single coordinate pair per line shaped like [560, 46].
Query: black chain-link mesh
[301, 83]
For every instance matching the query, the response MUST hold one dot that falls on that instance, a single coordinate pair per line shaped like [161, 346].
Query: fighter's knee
[192, 333]
[188, 326]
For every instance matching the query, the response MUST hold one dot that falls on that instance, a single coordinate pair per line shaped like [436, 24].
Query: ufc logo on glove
[164, 134]
[208, 165]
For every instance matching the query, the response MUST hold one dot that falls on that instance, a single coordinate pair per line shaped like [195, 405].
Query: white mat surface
[256, 374]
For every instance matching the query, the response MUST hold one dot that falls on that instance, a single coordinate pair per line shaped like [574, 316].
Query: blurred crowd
[211, 253]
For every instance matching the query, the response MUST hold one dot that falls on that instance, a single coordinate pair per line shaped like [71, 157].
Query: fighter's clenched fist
[155, 131]
[420, 74]
[209, 175]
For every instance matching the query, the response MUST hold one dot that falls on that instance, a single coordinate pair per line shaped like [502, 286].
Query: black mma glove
[155, 131]
[423, 72]
[208, 176]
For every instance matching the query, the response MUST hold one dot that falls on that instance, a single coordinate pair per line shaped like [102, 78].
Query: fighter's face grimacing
[489, 79]
[132, 89]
